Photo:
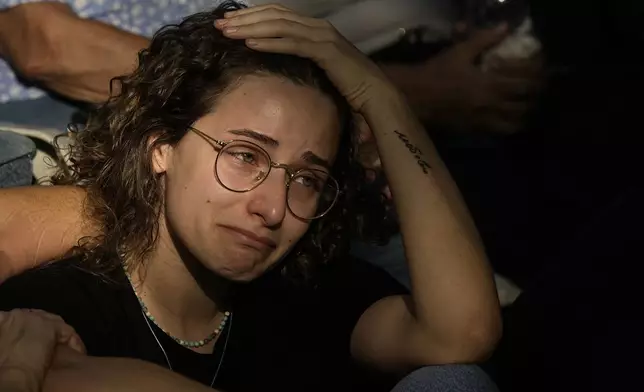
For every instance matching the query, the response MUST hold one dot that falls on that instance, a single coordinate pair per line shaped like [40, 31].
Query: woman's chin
[241, 272]
[239, 277]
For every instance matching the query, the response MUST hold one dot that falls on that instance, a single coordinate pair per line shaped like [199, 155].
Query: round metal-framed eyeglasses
[242, 166]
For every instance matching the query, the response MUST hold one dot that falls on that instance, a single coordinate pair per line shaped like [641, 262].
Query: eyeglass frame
[291, 173]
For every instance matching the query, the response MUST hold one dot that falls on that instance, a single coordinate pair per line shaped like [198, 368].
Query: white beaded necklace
[185, 343]
[167, 360]
[228, 319]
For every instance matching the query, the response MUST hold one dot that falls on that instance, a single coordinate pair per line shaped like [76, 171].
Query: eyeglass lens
[242, 166]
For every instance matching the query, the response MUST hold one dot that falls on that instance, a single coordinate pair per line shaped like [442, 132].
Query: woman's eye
[309, 182]
[245, 157]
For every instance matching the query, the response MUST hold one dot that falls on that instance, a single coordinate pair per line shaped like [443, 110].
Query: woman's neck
[186, 307]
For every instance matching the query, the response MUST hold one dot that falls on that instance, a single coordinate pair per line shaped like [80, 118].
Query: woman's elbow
[472, 343]
[477, 341]
[482, 340]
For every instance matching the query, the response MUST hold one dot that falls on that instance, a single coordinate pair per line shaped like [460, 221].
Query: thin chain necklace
[185, 343]
[167, 359]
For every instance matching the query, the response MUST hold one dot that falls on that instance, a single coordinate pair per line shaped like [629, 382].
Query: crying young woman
[216, 193]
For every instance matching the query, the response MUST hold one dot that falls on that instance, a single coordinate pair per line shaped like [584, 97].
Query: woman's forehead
[295, 116]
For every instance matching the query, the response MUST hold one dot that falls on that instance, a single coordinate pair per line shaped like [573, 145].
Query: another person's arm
[39, 352]
[451, 91]
[72, 372]
[28, 342]
[47, 43]
[39, 223]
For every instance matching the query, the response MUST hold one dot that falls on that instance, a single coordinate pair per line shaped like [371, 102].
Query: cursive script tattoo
[416, 152]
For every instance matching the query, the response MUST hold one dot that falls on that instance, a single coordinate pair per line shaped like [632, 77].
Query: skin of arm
[38, 224]
[73, 372]
[47, 43]
[453, 314]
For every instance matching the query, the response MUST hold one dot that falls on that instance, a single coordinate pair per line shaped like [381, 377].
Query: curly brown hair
[179, 79]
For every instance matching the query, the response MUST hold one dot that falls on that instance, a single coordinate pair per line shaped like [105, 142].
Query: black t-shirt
[279, 337]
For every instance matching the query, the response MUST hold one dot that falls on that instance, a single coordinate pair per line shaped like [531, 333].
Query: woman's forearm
[452, 284]
[94, 374]
[38, 224]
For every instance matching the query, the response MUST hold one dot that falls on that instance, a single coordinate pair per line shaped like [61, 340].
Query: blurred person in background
[60, 56]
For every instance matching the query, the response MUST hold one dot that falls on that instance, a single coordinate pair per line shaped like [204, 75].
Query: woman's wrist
[388, 110]
[383, 97]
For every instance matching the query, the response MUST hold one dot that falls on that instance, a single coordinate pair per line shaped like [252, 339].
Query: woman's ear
[161, 155]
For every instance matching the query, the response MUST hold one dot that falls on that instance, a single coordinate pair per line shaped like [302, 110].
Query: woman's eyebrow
[314, 159]
[257, 136]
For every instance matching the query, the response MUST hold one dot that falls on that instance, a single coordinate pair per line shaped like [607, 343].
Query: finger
[68, 336]
[313, 50]
[280, 28]
[481, 41]
[32, 338]
[258, 8]
[369, 156]
[386, 192]
[76, 344]
[45, 314]
[370, 174]
[364, 131]
[270, 14]
[53, 318]
[65, 334]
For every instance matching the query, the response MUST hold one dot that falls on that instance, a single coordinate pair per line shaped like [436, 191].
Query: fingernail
[76, 344]
[221, 22]
[229, 30]
[229, 14]
[251, 42]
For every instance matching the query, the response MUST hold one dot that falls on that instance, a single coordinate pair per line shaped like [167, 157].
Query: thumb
[482, 40]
